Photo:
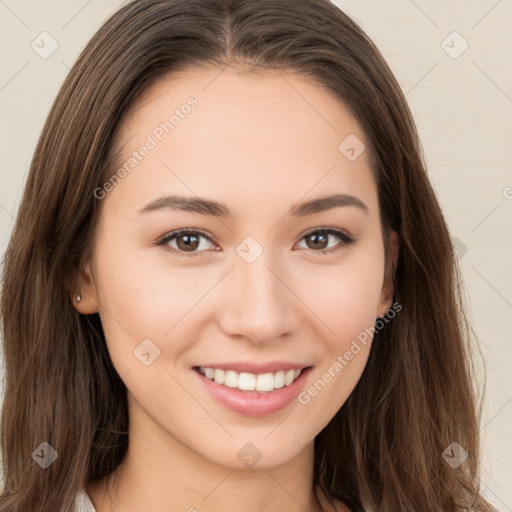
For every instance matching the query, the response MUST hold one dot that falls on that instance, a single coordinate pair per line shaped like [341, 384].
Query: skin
[261, 144]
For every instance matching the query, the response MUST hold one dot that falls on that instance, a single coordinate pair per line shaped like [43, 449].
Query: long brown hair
[383, 449]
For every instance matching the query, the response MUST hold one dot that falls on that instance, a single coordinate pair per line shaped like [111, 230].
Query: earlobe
[84, 297]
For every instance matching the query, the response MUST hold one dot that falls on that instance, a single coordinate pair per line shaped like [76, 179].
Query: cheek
[142, 299]
[344, 297]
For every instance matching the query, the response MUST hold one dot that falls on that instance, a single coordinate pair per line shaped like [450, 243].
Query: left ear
[388, 290]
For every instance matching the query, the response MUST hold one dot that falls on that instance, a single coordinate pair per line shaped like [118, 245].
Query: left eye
[189, 241]
[321, 235]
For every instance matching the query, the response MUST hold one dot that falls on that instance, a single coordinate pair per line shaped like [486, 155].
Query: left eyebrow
[203, 206]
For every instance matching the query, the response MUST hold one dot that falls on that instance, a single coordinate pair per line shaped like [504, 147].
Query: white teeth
[279, 380]
[247, 381]
[264, 382]
[219, 375]
[231, 380]
[289, 377]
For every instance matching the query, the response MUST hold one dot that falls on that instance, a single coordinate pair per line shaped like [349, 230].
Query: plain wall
[462, 103]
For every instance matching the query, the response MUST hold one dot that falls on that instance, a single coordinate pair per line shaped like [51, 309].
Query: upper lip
[256, 368]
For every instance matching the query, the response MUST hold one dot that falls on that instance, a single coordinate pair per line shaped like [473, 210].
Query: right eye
[187, 242]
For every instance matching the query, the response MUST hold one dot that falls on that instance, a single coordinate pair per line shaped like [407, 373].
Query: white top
[83, 502]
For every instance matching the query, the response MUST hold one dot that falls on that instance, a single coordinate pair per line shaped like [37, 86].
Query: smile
[244, 381]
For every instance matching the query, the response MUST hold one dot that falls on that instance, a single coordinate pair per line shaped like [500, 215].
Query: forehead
[261, 134]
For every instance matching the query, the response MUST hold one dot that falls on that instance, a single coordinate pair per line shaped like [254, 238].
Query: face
[256, 278]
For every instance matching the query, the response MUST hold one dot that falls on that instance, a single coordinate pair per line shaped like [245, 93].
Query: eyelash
[344, 237]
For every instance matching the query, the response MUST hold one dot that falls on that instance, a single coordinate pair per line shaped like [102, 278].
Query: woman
[230, 283]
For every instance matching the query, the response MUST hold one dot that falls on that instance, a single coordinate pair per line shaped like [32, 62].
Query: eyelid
[331, 230]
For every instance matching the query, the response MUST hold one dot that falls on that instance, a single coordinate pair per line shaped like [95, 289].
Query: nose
[258, 302]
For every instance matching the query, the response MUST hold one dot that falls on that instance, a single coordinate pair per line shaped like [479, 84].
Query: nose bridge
[259, 305]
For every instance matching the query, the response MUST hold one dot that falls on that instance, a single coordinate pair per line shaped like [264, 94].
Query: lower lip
[252, 403]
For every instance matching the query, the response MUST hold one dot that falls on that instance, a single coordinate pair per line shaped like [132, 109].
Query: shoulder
[83, 502]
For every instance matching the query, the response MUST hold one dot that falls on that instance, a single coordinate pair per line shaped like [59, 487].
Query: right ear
[86, 289]
[387, 292]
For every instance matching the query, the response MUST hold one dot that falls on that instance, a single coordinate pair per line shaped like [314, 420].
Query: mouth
[267, 393]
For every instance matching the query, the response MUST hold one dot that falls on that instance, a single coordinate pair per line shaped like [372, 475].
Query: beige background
[462, 102]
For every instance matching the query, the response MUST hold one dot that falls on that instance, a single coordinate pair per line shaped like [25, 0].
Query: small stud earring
[78, 298]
